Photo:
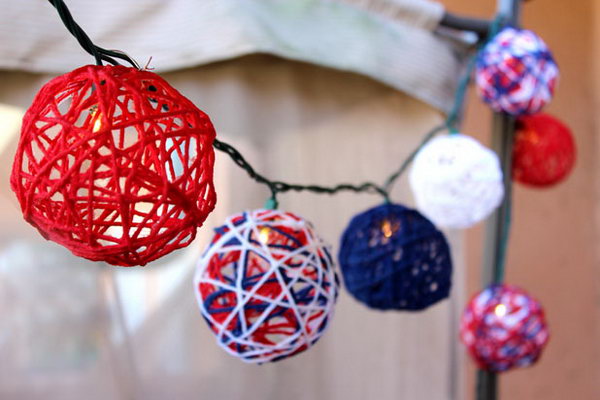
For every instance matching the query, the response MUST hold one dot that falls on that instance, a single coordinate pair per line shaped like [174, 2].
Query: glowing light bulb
[263, 234]
[386, 229]
[500, 310]
[97, 118]
[97, 125]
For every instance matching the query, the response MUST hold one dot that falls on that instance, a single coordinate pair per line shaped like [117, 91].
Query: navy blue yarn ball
[393, 258]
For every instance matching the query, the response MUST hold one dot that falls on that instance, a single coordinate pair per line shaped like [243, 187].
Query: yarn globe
[456, 181]
[266, 285]
[115, 164]
[516, 72]
[544, 151]
[503, 327]
[393, 258]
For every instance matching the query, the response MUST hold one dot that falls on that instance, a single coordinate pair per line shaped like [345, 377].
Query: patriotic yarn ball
[266, 285]
[503, 327]
[544, 151]
[115, 165]
[456, 181]
[516, 72]
[392, 257]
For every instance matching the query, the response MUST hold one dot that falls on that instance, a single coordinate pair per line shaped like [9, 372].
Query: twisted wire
[274, 186]
[281, 187]
[84, 40]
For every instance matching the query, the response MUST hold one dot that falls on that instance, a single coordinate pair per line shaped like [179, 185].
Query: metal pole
[495, 230]
[480, 26]
[497, 226]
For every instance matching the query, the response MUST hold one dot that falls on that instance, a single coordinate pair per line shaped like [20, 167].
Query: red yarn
[115, 164]
[544, 151]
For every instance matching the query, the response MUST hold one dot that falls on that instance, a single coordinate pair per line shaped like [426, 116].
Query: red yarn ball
[503, 328]
[115, 164]
[544, 151]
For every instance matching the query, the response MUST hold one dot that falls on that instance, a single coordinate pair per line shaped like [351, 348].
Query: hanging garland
[394, 258]
[116, 165]
[544, 151]
[503, 328]
[266, 285]
[456, 181]
[516, 72]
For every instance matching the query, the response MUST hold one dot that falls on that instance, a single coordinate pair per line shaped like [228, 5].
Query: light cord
[276, 187]
[84, 40]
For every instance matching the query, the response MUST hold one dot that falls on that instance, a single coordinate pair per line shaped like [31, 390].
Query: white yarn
[313, 266]
[456, 181]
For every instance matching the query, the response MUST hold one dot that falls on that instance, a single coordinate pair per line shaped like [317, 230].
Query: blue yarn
[410, 270]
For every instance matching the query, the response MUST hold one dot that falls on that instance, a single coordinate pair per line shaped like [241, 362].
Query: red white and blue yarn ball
[516, 72]
[393, 258]
[503, 328]
[266, 285]
[544, 151]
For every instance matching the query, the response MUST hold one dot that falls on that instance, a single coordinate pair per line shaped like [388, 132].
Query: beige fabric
[293, 121]
[389, 40]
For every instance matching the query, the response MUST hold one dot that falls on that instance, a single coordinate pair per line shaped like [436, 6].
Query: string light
[265, 302]
[386, 229]
[500, 310]
[97, 124]
[394, 247]
[393, 258]
[544, 151]
[136, 211]
[263, 235]
[110, 56]
[496, 342]
[96, 117]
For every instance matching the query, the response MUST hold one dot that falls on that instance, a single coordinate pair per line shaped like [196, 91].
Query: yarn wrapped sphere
[266, 285]
[516, 72]
[393, 258]
[115, 165]
[456, 181]
[544, 151]
[503, 328]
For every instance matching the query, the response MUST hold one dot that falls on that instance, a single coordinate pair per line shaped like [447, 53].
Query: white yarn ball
[456, 181]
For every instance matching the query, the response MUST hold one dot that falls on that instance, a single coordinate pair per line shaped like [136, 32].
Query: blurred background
[312, 91]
